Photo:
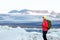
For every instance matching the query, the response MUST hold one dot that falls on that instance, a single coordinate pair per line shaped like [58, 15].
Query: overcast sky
[7, 5]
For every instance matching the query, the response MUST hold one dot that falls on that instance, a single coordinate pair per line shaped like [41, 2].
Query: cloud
[7, 5]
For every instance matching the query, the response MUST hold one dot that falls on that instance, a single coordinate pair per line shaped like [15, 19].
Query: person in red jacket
[44, 27]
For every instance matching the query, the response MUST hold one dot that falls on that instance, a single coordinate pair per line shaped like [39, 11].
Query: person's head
[44, 17]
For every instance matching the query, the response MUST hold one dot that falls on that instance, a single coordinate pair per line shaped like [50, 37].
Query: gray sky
[7, 5]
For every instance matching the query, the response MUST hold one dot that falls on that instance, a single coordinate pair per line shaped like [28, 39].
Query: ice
[8, 33]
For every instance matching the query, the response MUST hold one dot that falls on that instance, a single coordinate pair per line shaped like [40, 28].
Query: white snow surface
[8, 33]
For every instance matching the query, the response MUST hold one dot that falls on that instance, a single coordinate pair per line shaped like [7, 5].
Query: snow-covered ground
[8, 33]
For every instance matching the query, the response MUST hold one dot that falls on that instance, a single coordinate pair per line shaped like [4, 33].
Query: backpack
[49, 24]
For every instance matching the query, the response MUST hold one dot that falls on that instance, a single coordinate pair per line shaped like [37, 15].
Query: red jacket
[45, 25]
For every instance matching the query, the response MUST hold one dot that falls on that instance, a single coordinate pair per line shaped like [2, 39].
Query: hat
[44, 17]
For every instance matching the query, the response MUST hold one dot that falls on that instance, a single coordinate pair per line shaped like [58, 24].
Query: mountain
[54, 14]
[17, 18]
[31, 12]
[36, 12]
[13, 11]
[21, 11]
[30, 15]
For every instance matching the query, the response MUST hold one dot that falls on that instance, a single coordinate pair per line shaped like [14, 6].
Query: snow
[8, 33]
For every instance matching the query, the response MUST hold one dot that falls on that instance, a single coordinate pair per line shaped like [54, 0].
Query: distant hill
[13, 11]
[23, 11]
[16, 11]
[26, 11]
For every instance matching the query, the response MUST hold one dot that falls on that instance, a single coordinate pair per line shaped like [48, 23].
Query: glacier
[9, 33]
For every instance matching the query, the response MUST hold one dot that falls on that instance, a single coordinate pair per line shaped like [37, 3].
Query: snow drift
[8, 33]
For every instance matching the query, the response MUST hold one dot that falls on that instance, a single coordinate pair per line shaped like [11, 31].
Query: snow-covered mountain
[55, 14]
[21, 11]
[28, 16]
[35, 12]
[31, 12]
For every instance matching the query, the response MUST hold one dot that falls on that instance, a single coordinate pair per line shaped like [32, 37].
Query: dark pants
[44, 35]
